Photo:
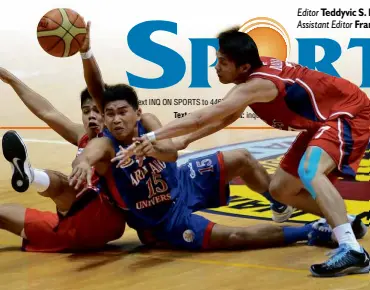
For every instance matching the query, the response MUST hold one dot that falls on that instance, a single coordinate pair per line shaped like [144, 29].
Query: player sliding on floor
[280, 212]
[160, 198]
[84, 220]
[333, 115]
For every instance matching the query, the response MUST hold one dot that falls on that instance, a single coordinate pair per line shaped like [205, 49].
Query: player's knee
[307, 173]
[5, 211]
[5, 208]
[12, 218]
[246, 156]
[44, 193]
[244, 160]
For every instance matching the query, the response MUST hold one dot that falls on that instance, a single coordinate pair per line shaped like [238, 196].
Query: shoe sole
[15, 152]
[348, 271]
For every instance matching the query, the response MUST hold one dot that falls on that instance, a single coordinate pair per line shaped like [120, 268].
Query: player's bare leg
[267, 235]
[315, 179]
[350, 257]
[258, 236]
[58, 189]
[241, 163]
[12, 218]
[288, 189]
[48, 183]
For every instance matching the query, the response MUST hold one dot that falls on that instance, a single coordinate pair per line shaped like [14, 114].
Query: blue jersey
[148, 192]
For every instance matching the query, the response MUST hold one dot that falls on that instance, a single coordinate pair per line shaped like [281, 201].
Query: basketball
[61, 32]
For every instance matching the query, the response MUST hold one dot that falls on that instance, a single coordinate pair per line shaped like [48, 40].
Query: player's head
[237, 56]
[121, 111]
[91, 117]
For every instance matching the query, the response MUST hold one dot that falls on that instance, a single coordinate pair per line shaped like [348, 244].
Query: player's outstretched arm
[98, 152]
[43, 109]
[183, 141]
[163, 150]
[253, 91]
[92, 74]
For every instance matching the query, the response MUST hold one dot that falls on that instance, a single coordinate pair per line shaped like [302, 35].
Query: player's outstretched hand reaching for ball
[86, 43]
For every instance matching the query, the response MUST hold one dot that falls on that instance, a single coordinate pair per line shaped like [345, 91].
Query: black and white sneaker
[343, 261]
[15, 151]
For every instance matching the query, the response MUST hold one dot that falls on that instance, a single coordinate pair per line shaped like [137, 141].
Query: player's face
[226, 69]
[91, 118]
[120, 119]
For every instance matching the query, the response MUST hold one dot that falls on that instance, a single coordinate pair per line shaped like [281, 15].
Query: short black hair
[239, 47]
[85, 95]
[121, 92]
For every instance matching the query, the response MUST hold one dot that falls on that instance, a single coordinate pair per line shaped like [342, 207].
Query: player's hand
[86, 44]
[6, 76]
[123, 154]
[81, 173]
[137, 148]
[142, 149]
[180, 143]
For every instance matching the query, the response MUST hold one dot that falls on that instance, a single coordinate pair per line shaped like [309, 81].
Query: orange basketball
[61, 32]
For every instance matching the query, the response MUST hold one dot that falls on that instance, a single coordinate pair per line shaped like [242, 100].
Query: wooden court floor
[125, 265]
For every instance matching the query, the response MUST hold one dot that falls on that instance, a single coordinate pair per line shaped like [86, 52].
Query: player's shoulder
[270, 65]
[274, 70]
[148, 119]
[148, 116]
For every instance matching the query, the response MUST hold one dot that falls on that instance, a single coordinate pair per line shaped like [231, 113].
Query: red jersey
[82, 143]
[91, 222]
[306, 98]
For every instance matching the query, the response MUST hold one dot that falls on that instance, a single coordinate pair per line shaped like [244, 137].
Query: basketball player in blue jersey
[333, 116]
[95, 84]
[160, 198]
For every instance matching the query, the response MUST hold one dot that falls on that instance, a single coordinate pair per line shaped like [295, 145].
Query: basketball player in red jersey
[333, 115]
[84, 220]
[166, 213]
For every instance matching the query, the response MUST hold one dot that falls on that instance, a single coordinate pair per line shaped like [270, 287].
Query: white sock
[41, 180]
[351, 219]
[344, 235]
